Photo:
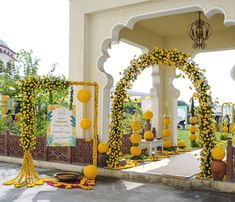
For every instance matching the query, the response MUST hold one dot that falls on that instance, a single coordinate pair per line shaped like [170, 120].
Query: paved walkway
[106, 190]
[183, 165]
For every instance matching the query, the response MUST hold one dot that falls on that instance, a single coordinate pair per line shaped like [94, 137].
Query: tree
[9, 86]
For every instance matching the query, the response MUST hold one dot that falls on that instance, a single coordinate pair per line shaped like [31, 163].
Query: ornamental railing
[80, 154]
[230, 161]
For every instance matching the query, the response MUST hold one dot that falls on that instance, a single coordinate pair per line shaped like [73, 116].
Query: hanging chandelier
[199, 31]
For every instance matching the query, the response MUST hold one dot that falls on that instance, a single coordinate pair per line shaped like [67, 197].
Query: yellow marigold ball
[193, 129]
[135, 138]
[193, 119]
[135, 125]
[103, 147]
[225, 129]
[166, 132]
[192, 136]
[135, 151]
[148, 135]
[18, 117]
[85, 124]
[167, 144]
[181, 144]
[218, 153]
[84, 95]
[90, 171]
[148, 115]
[166, 121]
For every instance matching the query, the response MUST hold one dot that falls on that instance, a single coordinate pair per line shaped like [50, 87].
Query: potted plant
[218, 167]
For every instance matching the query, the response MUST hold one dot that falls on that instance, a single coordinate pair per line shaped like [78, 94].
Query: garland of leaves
[183, 62]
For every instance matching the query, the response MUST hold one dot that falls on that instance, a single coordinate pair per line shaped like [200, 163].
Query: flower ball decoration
[83, 95]
[135, 125]
[103, 147]
[135, 151]
[181, 144]
[135, 137]
[184, 63]
[148, 136]
[90, 171]
[193, 130]
[218, 153]
[166, 132]
[148, 115]
[192, 137]
[167, 144]
[85, 124]
[218, 166]
[166, 121]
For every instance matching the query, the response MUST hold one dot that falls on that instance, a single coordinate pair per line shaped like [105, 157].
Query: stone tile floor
[183, 165]
[106, 190]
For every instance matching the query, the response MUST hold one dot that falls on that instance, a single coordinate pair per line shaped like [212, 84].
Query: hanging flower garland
[28, 175]
[183, 62]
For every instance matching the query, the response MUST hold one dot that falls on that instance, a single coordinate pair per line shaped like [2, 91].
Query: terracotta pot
[218, 169]
[102, 158]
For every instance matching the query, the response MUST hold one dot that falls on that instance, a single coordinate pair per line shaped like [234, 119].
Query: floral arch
[183, 62]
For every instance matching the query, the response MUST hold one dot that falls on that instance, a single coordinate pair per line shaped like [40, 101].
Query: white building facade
[95, 25]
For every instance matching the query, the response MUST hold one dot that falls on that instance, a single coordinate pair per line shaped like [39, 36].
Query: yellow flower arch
[184, 63]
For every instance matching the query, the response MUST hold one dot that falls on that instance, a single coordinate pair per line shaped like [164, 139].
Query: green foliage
[129, 110]
[9, 85]
[3, 125]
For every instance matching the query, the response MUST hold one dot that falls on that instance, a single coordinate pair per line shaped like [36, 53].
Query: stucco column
[163, 94]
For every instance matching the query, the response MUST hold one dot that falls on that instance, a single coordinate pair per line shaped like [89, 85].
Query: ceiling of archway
[165, 31]
[177, 24]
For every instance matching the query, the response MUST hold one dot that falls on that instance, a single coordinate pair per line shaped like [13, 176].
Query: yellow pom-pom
[148, 115]
[135, 125]
[218, 153]
[193, 119]
[90, 171]
[192, 137]
[135, 151]
[166, 121]
[181, 144]
[103, 147]
[166, 132]
[193, 129]
[148, 135]
[84, 95]
[135, 138]
[85, 124]
[167, 144]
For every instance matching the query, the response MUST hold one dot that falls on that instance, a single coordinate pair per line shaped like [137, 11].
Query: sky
[217, 64]
[38, 25]
[43, 26]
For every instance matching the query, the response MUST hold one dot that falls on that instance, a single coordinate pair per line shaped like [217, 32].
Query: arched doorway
[182, 62]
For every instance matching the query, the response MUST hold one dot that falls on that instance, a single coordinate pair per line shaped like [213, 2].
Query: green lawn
[184, 135]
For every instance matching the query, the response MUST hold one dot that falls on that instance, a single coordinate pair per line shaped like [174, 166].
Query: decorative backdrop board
[62, 126]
